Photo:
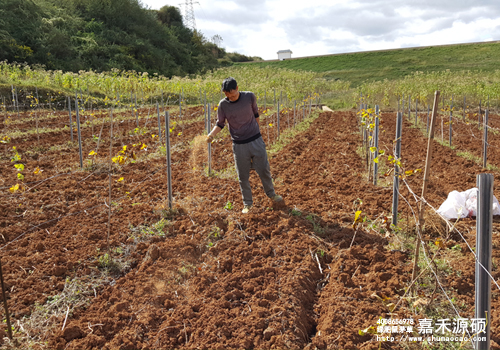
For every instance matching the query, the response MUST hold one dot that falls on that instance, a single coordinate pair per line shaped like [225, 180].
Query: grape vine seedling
[20, 168]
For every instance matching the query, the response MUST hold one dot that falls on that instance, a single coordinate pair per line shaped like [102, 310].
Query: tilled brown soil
[295, 277]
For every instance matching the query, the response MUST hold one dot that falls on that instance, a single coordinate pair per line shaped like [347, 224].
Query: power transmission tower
[189, 14]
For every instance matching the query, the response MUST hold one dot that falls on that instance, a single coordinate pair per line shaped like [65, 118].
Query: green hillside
[97, 35]
[393, 64]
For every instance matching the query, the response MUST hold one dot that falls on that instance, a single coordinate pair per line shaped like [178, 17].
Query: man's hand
[213, 133]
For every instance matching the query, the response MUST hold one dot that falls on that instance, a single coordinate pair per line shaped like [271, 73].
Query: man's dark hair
[229, 84]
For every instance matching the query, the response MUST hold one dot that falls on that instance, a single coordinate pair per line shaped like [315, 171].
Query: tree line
[101, 35]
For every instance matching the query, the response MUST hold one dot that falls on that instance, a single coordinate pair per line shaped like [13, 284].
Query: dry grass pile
[199, 153]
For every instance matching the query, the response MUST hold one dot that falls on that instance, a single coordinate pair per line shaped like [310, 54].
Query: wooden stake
[428, 161]
[427, 125]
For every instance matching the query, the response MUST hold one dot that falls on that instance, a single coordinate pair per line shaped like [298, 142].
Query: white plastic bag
[463, 204]
[471, 201]
[454, 206]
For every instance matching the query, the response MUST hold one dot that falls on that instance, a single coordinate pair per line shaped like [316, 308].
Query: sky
[321, 27]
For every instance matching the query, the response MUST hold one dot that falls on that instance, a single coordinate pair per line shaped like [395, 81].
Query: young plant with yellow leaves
[16, 157]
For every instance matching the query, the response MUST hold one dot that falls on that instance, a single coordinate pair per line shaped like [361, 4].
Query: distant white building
[284, 54]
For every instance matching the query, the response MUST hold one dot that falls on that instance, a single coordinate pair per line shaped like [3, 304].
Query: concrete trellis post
[416, 111]
[484, 223]
[451, 125]
[109, 168]
[169, 161]
[397, 156]
[82, 103]
[79, 131]
[209, 125]
[375, 144]
[36, 116]
[6, 308]
[131, 103]
[278, 120]
[464, 107]
[17, 101]
[205, 112]
[403, 104]
[409, 107]
[159, 121]
[70, 118]
[288, 113]
[485, 138]
[13, 97]
[294, 111]
[310, 106]
[136, 111]
[180, 105]
[479, 116]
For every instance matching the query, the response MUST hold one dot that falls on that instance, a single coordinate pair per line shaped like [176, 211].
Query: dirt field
[205, 276]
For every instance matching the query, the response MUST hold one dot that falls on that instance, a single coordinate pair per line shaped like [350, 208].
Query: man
[240, 111]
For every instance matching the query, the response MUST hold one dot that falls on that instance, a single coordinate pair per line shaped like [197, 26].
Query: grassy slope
[392, 64]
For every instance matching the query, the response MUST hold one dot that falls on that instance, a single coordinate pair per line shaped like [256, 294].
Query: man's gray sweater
[241, 117]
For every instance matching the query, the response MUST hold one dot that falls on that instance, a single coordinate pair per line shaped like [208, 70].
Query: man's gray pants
[252, 155]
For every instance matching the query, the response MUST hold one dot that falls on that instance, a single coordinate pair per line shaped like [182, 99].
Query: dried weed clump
[199, 154]
[33, 331]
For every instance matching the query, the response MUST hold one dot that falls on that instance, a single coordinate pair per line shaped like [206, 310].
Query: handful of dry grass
[199, 153]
